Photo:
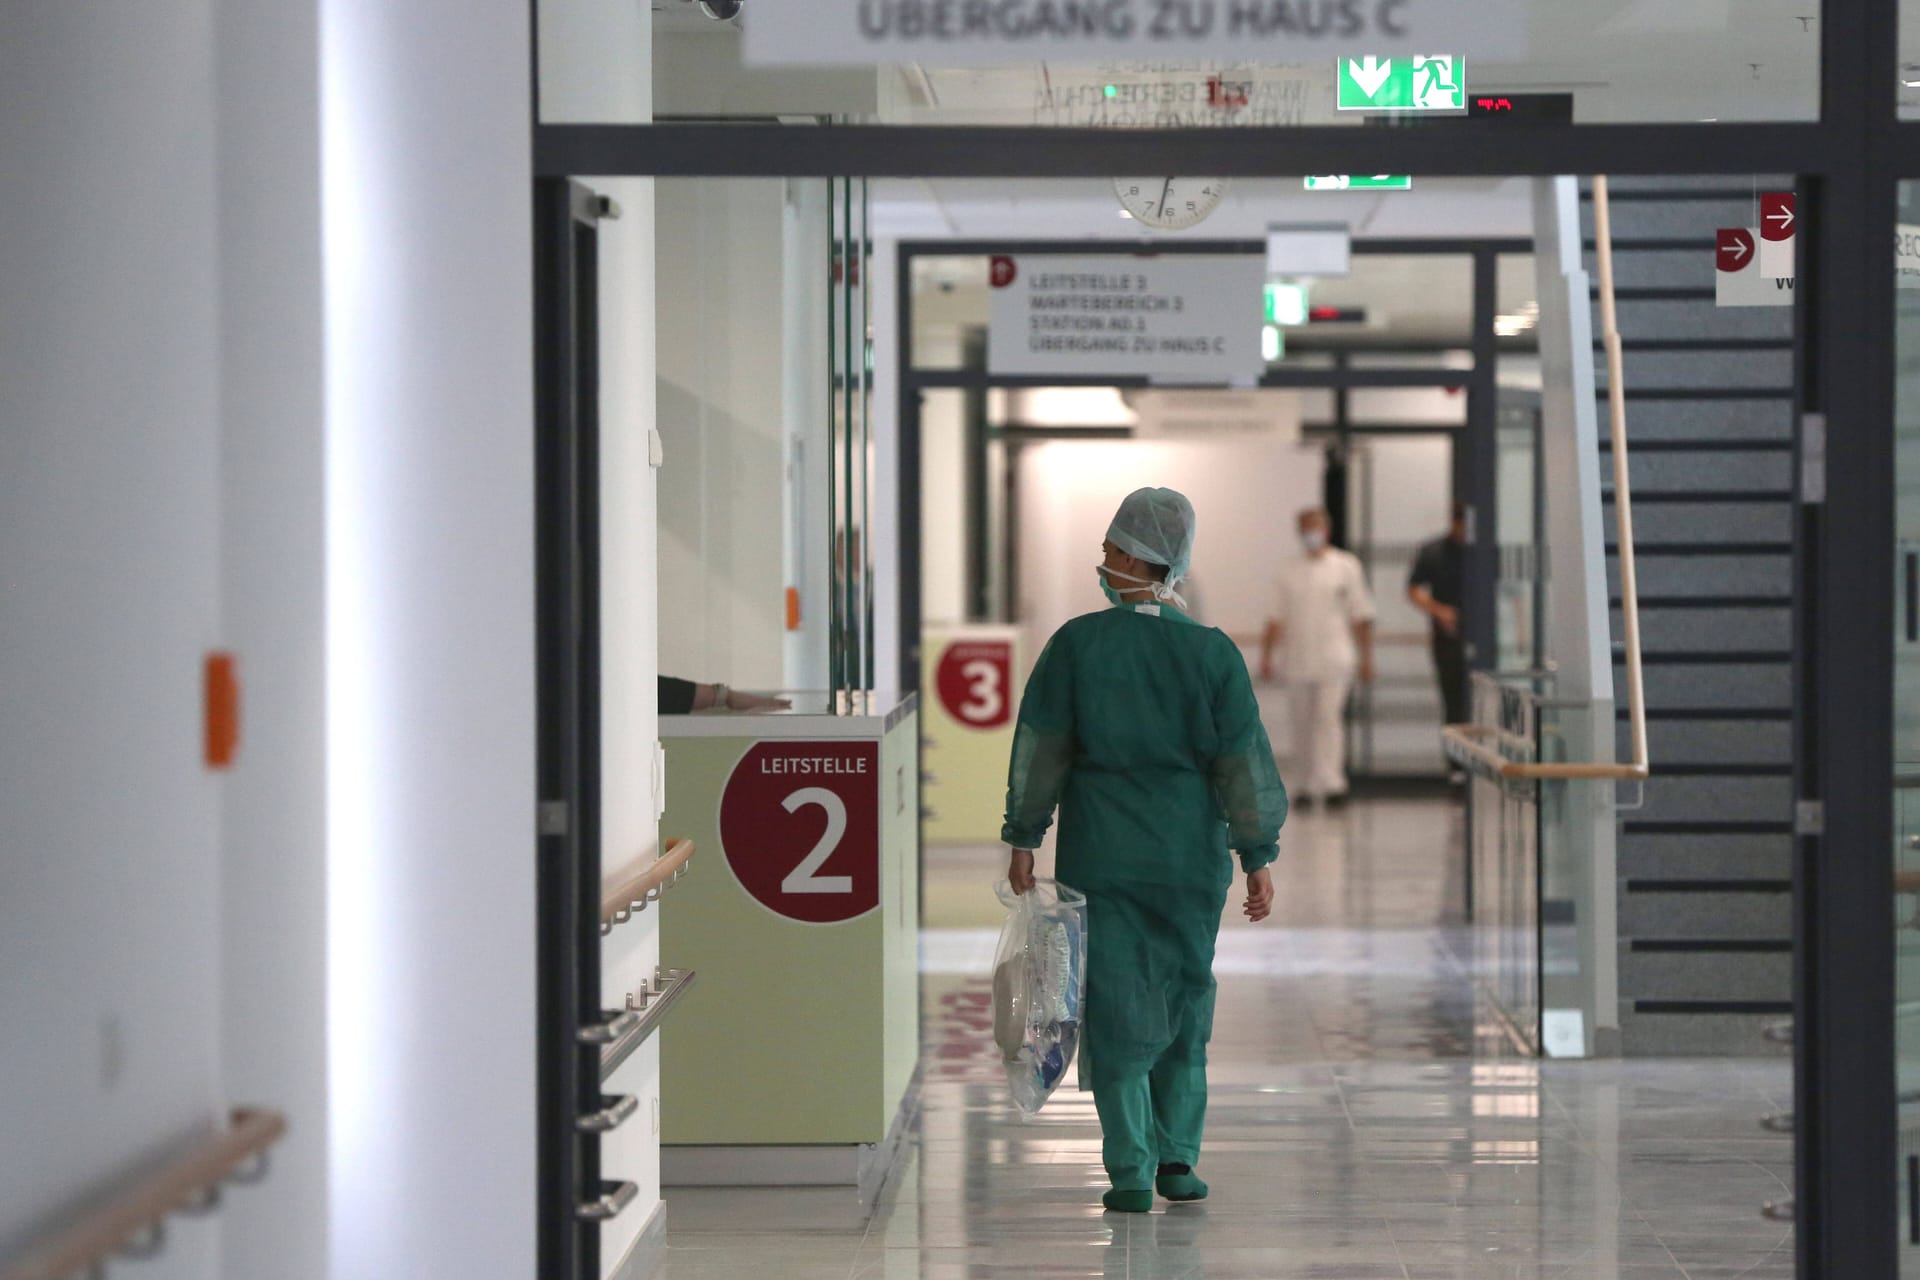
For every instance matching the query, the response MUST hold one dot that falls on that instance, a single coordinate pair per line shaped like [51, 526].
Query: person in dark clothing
[683, 697]
[1436, 588]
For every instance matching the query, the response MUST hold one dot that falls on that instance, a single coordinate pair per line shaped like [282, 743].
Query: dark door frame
[567, 858]
[1849, 162]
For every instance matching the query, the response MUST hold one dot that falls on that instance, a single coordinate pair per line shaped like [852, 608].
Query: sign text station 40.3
[963, 33]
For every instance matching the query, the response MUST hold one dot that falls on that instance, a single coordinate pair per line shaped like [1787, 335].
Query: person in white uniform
[1323, 619]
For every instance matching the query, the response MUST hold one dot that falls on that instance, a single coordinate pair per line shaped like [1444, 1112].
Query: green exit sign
[1436, 82]
[1286, 303]
[1360, 182]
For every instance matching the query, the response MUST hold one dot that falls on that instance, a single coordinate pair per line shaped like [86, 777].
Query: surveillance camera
[721, 10]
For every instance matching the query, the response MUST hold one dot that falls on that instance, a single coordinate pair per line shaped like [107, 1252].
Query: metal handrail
[625, 897]
[650, 1005]
[1464, 741]
[135, 1222]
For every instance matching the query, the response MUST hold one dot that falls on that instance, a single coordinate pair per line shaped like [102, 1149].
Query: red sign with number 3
[800, 828]
[974, 680]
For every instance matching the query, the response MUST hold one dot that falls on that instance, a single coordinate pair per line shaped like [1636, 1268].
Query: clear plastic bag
[1039, 983]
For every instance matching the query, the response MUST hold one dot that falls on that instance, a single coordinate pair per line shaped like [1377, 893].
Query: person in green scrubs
[1141, 726]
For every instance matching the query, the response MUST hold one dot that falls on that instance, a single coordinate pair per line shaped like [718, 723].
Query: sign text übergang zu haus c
[976, 33]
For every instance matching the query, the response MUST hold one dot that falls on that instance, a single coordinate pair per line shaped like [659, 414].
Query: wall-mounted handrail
[620, 900]
[135, 1221]
[651, 1003]
[1466, 743]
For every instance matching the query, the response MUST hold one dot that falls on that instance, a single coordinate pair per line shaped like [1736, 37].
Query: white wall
[806, 382]
[1245, 493]
[722, 587]
[273, 541]
[943, 506]
[430, 586]
[109, 596]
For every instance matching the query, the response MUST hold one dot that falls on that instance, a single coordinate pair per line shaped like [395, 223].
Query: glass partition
[767, 510]
[1541, 881]
[1520, 496]
[1215, 64]
[850, 440]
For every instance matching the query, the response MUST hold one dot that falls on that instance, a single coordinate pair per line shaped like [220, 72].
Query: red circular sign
[976, 682]
[800, 828]
[1002, 272]
[1733, 249]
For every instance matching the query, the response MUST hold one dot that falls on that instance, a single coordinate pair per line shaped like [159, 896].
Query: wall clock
[1170, 204]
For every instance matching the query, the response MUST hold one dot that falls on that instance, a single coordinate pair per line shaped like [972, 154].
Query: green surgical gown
[1141, 727]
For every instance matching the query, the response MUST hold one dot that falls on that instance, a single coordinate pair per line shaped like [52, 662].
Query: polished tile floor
[1365, 1122]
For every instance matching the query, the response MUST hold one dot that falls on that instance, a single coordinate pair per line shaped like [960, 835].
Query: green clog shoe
[1176, 1182]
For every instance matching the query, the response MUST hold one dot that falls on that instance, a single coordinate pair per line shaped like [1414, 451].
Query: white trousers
[1320, 734]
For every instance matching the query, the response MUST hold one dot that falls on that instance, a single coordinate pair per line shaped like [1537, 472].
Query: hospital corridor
[1366, 1121]
[959, 640]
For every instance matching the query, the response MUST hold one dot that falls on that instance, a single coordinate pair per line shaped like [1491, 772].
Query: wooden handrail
[1469, 740]
[618, 899]
[1622, 488]
[186, 1183]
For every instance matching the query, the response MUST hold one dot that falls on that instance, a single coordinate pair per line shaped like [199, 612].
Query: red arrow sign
[1732, 248]
[1776, 215]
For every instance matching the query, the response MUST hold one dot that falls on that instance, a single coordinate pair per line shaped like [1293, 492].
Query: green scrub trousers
[1141, 727]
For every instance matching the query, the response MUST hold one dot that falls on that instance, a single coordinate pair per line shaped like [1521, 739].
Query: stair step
[1736, 416]
[1739, 369]
[1712, 857]
[1680, 746]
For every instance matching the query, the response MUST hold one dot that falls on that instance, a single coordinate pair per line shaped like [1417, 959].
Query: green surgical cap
[1156, 525]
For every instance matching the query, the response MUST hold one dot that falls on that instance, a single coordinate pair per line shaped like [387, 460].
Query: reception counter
[793, 1060]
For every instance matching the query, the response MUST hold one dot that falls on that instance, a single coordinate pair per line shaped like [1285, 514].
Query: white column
[430, 637]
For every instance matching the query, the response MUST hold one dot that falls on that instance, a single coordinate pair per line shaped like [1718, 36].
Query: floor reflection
[1365, 1123]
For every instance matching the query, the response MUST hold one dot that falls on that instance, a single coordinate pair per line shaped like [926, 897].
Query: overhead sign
[1177, 318]
[800, 828]
[1738, 280]
[1360, 182]
[984, 33]
[1424, 82]
[1777, 233]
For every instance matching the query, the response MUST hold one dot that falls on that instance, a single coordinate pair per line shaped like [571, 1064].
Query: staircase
[1705, 905]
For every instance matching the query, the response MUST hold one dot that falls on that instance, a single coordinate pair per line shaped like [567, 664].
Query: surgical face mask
[1313, 539]
[1106, 588]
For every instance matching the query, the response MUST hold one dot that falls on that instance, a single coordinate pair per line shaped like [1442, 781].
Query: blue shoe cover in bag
[1039, 981]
